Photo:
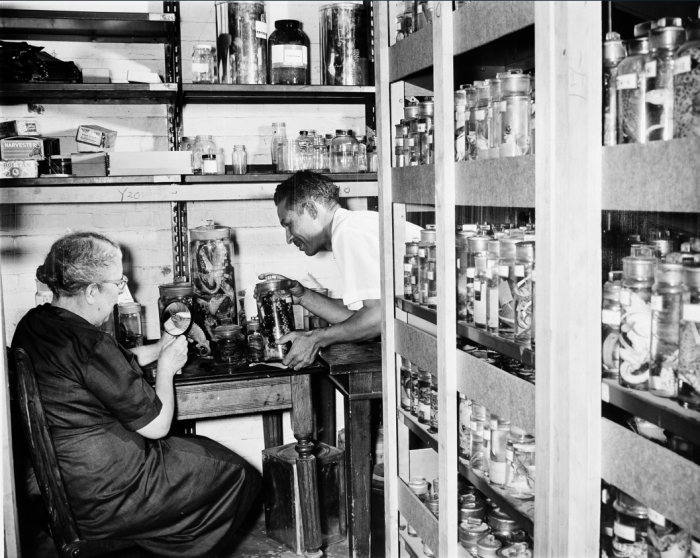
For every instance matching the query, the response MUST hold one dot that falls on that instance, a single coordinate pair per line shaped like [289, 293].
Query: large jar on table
[276, 315]
[230, 345]
[288, 54]
[130, 330]
[241, 32]
[686, 85]
[211, 256]
[344, 149]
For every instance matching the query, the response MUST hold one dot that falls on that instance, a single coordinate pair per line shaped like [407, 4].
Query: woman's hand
[173, 355]
[297, 290]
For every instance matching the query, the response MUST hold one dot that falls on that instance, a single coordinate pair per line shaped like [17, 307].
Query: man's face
[302, 230]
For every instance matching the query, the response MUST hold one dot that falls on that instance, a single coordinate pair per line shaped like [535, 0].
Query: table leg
[272, 429]
[325, 407]
[358, 465]
[303, 426]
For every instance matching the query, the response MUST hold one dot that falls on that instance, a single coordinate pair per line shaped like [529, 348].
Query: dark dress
[177, 496]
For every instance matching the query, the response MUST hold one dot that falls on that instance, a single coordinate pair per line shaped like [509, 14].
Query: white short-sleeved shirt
[355, 241]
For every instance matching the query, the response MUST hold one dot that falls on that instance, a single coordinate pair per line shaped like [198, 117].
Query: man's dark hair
[303, 186]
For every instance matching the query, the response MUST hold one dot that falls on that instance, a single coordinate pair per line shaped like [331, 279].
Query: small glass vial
[256, 343]
[229, 345]
[610, 317]
[239, 159]
[220, 161]
[525, 263]
[423, 396]
[689, 367]
[433, 405]
[202, 64]
[43, 294]
[405, 384]
[209, 165]
[130, 332]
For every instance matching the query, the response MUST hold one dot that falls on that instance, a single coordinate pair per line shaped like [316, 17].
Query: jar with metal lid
[130, 330]
[520, 458]
[202, 64]
[483, 121]
[288, 54]
[461, 250]
[635, 324]
[405, 398]
[502, 525]
[686, 84]
[488, 546]
[203, 145]
[475, 509]
[465, 412]
[43, 294]
[229, 345]
[610, 316]
[515, 119]
[289, 155]
[484, 270]
[613, 53]
[631, 87]
[470, 532]
[419, 487]
[433, 405]
[495, 112]
[427, 240]
[344, 45]
[631, 527]
[410, 265]
[432, 502]
[460, 101]
[344, 150]
[470, 120]
[507, 287]
[209, 164]
[411, 109]
[689, 350]
[664, 40]
[241, 31]
[666, 539]
[416, 373]
[276, 314]
[525, 263]
[500, 429]
[239, 159]
[423, 396]
[665, 330]
[256, 343]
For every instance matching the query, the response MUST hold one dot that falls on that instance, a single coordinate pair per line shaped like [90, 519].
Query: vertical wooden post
[568, 200]
[383, 90]
[443, 78]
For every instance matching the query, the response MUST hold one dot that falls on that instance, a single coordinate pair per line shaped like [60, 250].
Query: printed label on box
[261, 30]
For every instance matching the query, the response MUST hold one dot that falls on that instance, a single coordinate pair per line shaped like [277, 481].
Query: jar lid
[613, 48]
[237, 147]
[628, 505]
[253, 325]
[286, 24]
[669, 34]
[204, 138]
[175, 289]
[208, 157]
[428, 235]
[611, 290]
[418, 485]
[210, 231]
[227, 331]
[129, 307]
[490, 543]
[643, 29]
[500, 515]
[638, 268]
[691, 276]
[341, 133]
[478, 244]
[270, 285]
[514, 83]
[669, 274]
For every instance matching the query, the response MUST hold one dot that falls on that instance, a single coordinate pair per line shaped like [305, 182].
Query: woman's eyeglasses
[120, 284]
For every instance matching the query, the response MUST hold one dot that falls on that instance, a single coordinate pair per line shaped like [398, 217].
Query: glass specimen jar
[665, 330]
[230, 346]
[461, 250]
[345, 54]
[410, 273]
[493, 292]
[344, 150]
[405, 398]
[373, 155]
[465, 413]
[43, 294]
[495, 112]
[525, 263]
[289, 156]
[361, 154]
[632, 87]
[686, 85]
[275, 311]
[209, 164]
[202, 145]
[429, 285]
[305, 157]
[506, 287]
[427, 240]
[256, 343]
[520, 454]
[288, 53]
[130, 330]
[220, 161]
[423, 396]
[515, 120]
[630, 530]
[666, 539]
[399, 28]
[689, 367]
[460, 101]
[241, 32]
[610, 317]
[613, 53]
[659, 65]
[416, 373]
[239, 159]
[202, 64]
[470, 120]
[497, 463]
[433, 406]
[483, 121]
[279, 134]
[635, 324]
[419, 487]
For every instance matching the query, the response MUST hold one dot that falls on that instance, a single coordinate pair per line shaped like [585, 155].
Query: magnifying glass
[176, 319]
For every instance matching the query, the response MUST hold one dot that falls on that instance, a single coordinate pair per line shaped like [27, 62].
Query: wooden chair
[36, 430]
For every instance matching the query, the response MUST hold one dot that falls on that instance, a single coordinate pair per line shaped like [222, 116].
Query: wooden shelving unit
[420, 430]
[220, 93]
[81, 93]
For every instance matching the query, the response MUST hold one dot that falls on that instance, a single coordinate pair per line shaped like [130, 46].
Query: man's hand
[305, 347]
[296, 290]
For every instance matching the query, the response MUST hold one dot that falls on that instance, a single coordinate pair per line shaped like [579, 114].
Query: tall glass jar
[525, 263]
[202, 64]
[660, 64]
[635, 325]
[423, 396]
[630, 530]
[344, 44]
[461, 249]
[665, 330]
[202, 145]
[484, 270]
[483, 121]
[405, 397]
[499, 437]
[279, 134]
[344, 150]
[433, 407]
[470, 121]
[507, 287]
[239, 159]
[632, 87]
[416, 373]
[288, 54]
[230, 346]
[686, 85]
[130, 331]
[256, 343]
[427, 240]
[613, 54]
[515, 120]
[610, 316]
[241, 31]
[410, 270]
[495, 112]
[689, 369]
[465, 412]
[460, 133]
[372, 155]
[361, 154]
[275, 310]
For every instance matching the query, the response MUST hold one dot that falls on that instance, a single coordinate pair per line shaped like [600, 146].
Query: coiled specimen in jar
[276, 319]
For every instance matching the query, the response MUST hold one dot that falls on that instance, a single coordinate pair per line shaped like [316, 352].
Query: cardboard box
[96, 136]
[12, 128]
[26, 168]
[150, 163]
[25, 147]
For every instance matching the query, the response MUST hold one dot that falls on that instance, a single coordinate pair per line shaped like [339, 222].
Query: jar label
[520, 271]
[656, 517]
[431, 275]
[293, 56]
[625, 531]
[480, 114]
[260, 30]
[682, 65]
[650, 69]
[503, 106]
[691, 312]
[503, 270]
[471, 272]
[627, 81]
[411, 142]
[199, 68]
[421, 128]
[611, 317]
[625, 297]
[657, 303]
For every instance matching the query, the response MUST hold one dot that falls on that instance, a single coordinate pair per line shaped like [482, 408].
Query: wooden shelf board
[223, 93]
[507, 182]
[418, 516]
[654, 475]
[420, 430]
[479, 23]
[80, 93]
[521, 511]
[413, 545]
[522, 353]
[411, 55]
[656, 176]
[414, 185]
[365, 177]
[508, 396]
[416, 345]
[665, 413]
[105, 27]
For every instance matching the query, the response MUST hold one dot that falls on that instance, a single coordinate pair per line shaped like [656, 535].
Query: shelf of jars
[420, 430]
[96, 27]
[418, 516]
[666, 413]
[80, 93]
[221, 93]
[654, 176]
[412, 55]
[520, 352]
[665, 481]
[364, 177]
[519, 506]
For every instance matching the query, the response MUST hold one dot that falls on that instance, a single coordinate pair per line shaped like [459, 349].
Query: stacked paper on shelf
[150, 163]
[89, 164]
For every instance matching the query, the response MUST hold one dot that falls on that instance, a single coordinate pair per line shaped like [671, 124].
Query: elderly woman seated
[125, 477]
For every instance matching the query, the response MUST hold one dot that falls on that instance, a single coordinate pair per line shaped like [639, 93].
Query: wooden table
[213, 391]
[355, 370]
